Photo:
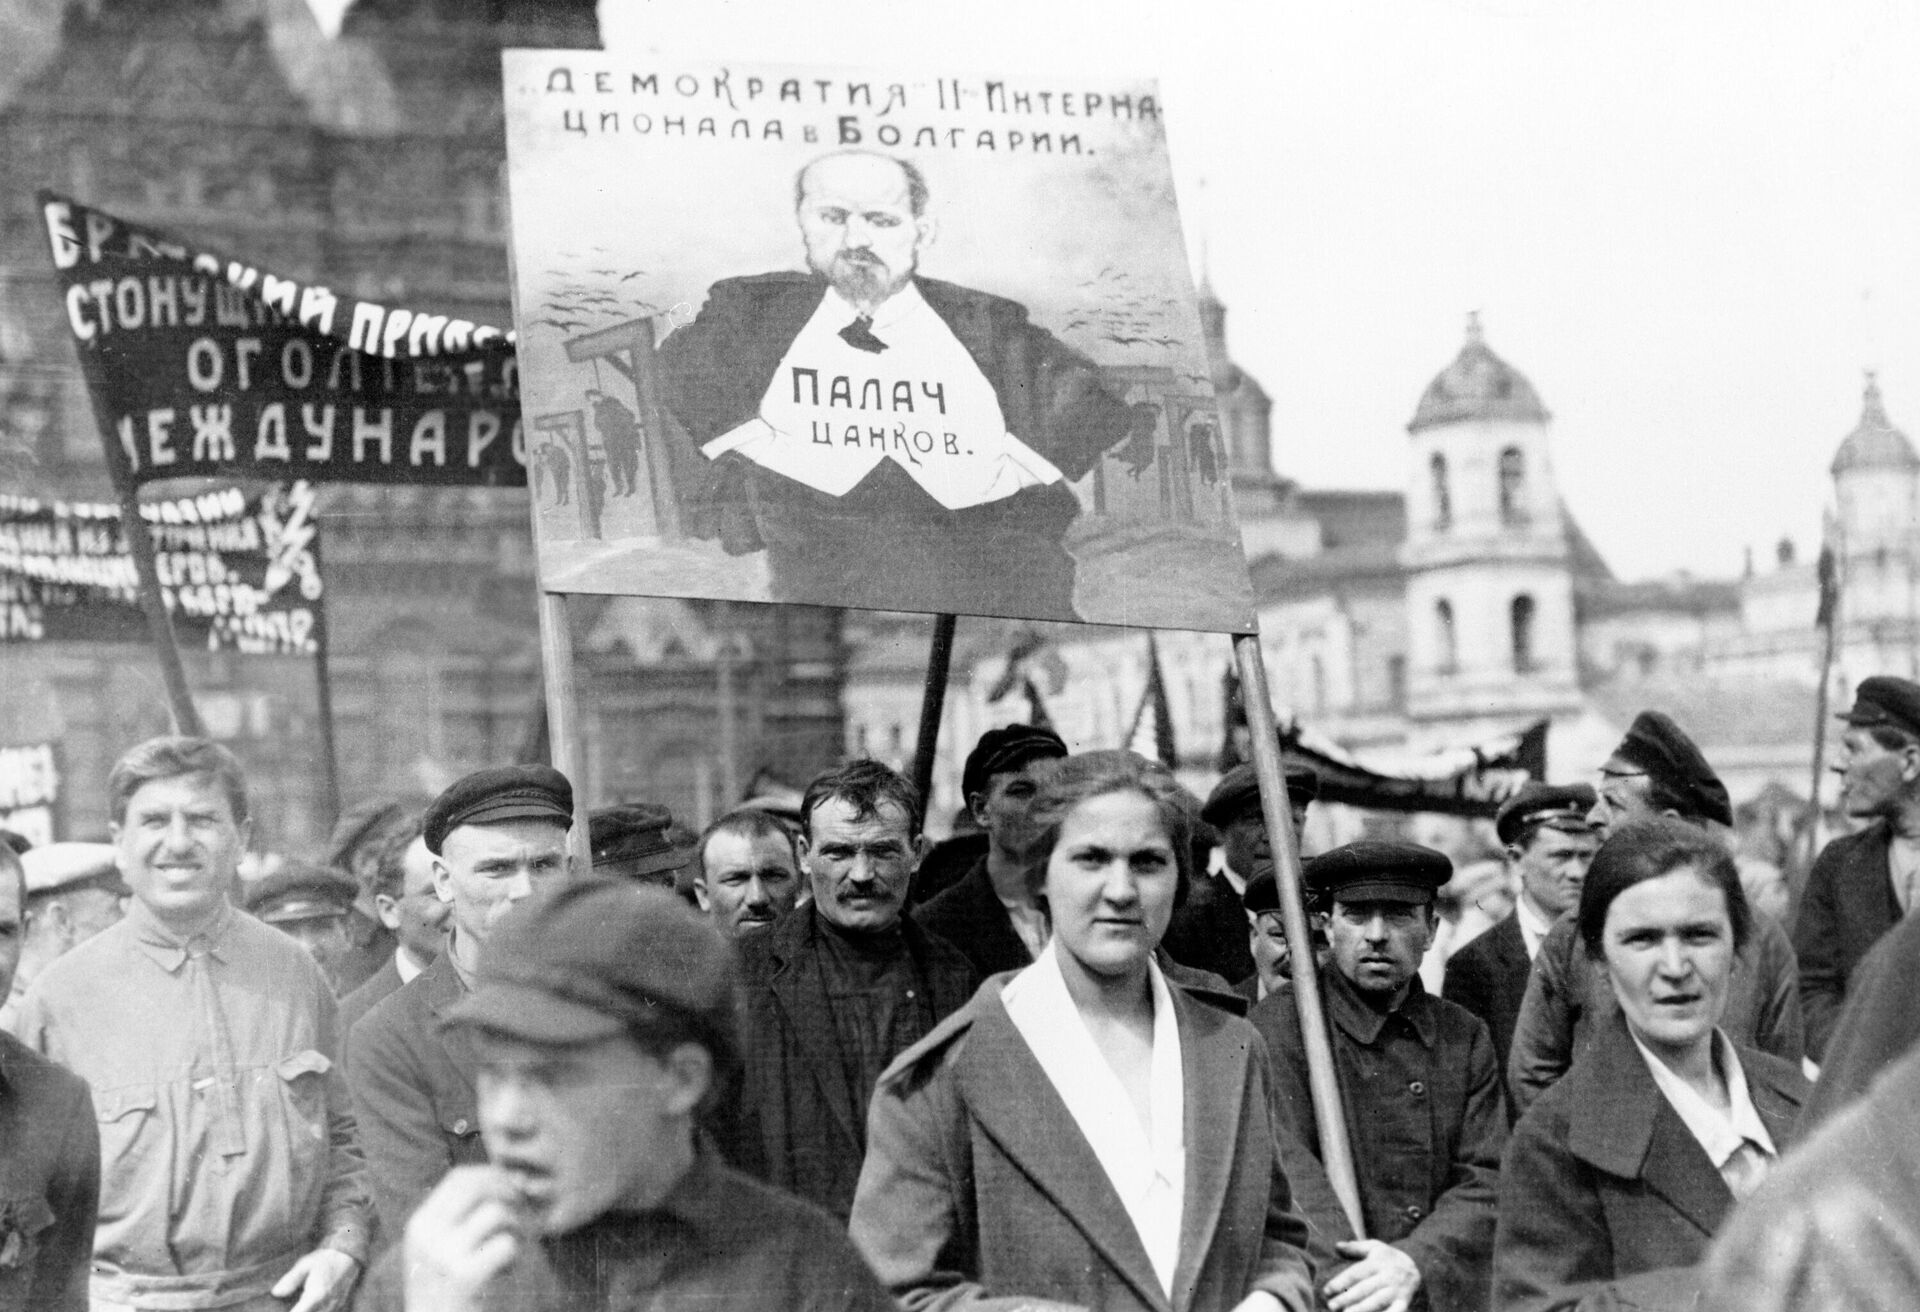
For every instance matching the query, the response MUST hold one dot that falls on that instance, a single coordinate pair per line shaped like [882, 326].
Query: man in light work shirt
[233, 1179]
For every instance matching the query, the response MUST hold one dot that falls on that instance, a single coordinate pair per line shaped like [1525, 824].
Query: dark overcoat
[1848, 904]
[795, 1127]
[1879, 1025]
[1489, 978]
[413, 1096]
[968, 915]
[979, 1185]
[1425, 1117]
[49, 1182]
[1606, 1198]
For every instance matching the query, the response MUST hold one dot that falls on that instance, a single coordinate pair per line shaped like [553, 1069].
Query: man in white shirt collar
[885, 437]
[1549, 845]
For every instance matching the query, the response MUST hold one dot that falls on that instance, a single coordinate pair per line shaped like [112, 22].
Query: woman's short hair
[1649, 849]
[1064, 783]
[168, 758]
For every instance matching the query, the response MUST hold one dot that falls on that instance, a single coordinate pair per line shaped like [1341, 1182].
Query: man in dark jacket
[49, 1153]
[886, 438]
[989, 915]
[494, 835]
[1549, 846]
[1862, 883]
[1418, 1079]
[838, 989]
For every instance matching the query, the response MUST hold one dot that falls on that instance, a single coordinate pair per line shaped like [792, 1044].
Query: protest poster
[201, 365]
[863, 338]
[237, 573]
[30, 791]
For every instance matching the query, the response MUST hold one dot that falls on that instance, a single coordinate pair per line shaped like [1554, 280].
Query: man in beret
[404, 901]
[1656, 770]
[748, 872]
[630, 841]
[1421, 1087]
[495, 836]
[602, 1020]
[1863, 883]
[988, 914]
[310, 905]
[1549, 844]
[74, 890]
[233, 1178]
[837, 990]
[49, 1151]
[1209, 929]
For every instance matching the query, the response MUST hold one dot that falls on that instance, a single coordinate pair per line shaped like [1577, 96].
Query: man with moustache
[1418, 1079]
[49, 1151]
[838, 989]
[749, 872]
[233, 1176]
[989, 914]
[1863, 883]
[495, 836]
[885, 436]
[1549, 845]
[1656, 770]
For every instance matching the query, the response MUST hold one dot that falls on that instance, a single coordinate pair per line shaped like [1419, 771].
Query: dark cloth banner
[30, 790]
[238, 573]
[1468, 781]
[203, 366]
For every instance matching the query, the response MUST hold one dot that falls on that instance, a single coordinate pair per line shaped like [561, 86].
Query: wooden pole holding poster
[1329, 1113]
[568, 744]
[933, 704]
[186, 716]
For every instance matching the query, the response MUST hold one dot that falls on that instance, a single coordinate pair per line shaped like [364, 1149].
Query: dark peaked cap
[1883, 701]
[585, 959]
[1238, 792]
[507, 792]
[302, 892]
[1371, 871]
[1657, 745]
[1004, 749]
[1545, 806]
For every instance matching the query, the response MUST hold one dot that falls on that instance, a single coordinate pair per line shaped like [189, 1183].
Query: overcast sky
[1691, 226]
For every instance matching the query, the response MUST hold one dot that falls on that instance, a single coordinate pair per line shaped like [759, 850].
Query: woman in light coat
[1084, 1134]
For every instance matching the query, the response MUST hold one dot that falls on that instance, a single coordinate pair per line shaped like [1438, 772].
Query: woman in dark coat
[1084, 1133]
[1616, 1179]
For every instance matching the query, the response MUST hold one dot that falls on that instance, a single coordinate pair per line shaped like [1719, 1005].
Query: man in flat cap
[1863, 883]
[74, 890]
[233, 1176]
[988, 915]
[1419, 1080]
[631, 841]
[49, 1152]
[1209, 930]
[1549, 845]
[1656, 770]
[837, 990]
[400, 886]
[602, 1020]
[310, 905]
[747, 872]
[495, 836]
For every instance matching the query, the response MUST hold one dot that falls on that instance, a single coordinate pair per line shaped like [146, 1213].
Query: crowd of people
[813, 1060]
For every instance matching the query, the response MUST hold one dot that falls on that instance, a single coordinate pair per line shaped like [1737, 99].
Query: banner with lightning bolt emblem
[238, 573]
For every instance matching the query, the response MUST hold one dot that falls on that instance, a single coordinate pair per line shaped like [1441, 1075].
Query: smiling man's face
[179, 847]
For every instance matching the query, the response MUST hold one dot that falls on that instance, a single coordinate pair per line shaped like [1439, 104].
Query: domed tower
[1489, 588]
[1876, 488]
